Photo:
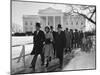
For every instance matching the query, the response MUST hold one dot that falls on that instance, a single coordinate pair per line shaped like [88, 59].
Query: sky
[30, 8]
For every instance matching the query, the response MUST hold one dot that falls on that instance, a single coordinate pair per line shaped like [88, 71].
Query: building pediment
[50, 10]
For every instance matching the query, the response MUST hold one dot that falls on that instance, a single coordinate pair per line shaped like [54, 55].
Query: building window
[76, 23]
[26, 23]
[71, 23]
[82, 23]
[30, 23]
[66, 23]
[26, 28]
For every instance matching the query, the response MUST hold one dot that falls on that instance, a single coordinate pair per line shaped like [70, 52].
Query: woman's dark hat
[59, 26]
[38, 25]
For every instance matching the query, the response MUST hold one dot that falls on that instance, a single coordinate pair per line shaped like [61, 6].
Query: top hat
[66, 28]
[38, 25]
[59, 26]
[76, 30]
[51, 27]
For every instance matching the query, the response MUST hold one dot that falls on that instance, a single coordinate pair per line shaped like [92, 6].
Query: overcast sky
[30, 8]
[20, 8]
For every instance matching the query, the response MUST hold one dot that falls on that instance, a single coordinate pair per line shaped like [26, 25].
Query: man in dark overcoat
[38, 39]
[71, 38]
[76, 38]
[68, 40]
[81, 37]
[60, 43]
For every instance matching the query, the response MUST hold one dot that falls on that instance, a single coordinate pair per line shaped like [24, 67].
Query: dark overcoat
[38, 40]
[60, 42]
[68, 39]
[54, 35]
[76, 37]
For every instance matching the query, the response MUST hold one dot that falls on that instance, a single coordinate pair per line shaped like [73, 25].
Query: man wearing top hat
[60, 42]
[38, 40]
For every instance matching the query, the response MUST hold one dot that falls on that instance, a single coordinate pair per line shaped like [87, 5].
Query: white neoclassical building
[53, 17]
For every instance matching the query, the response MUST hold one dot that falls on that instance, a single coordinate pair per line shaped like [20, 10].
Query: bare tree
[16, 28]
[88, 12]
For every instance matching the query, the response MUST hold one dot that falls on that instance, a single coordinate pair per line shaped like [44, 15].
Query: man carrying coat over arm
[60, 42]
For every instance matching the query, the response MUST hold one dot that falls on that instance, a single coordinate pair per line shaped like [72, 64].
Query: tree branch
[93, 13]
[87, 18]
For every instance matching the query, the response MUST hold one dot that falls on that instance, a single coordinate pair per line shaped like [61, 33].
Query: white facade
[29, 22]
[53, 17]
[74, 21]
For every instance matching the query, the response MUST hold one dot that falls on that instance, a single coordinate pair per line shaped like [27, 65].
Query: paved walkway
[53, 66]
[74, 61]
[81, 61]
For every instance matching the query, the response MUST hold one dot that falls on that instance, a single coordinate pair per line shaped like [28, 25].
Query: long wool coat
[60, 43]
[38, 40]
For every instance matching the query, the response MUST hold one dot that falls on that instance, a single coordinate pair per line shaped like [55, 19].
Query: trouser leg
[75, 44]
[54, 49]
[42, 58]
[61, 61]
[60, 56]
[34, 61]
[54, 52]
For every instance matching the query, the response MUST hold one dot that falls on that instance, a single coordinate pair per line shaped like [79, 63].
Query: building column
[54, 22]
[61, 20]
[46, 20]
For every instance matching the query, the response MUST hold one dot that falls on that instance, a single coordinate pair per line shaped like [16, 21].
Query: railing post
[22, 54]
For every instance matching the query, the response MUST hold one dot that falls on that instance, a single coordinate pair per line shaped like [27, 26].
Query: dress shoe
[33, 69]
[30, 67]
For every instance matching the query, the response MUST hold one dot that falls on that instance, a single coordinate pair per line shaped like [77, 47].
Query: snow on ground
[82, 60]
[16, 50]
[20, 40]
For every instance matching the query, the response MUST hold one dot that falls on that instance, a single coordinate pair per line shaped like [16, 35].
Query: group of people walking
[51, 44]
[73, 39]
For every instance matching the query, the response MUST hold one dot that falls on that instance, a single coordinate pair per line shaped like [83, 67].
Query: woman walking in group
[48, 47]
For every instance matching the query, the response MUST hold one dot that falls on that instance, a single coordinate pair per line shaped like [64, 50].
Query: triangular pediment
[50, 10]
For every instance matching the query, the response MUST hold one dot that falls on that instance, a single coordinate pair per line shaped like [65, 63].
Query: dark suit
[60, 42]
[76, 39]
[38, 47]
[81, 37]
[68, 39]
[72, 39]
[54, 36]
